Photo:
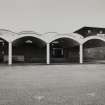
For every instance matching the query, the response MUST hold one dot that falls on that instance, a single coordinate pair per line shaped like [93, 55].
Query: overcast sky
[62, 16]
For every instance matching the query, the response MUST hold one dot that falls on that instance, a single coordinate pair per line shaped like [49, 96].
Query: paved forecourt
[52, 85]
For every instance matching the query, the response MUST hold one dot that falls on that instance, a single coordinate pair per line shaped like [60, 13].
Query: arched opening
[64, 50]
[94, 51]
[3, 51]
[29, 49]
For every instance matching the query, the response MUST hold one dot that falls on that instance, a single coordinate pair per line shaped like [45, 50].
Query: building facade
[84, 45]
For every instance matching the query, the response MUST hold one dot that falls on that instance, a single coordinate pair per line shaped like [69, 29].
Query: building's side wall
[29, 54]
[96, 53]
[72, 54]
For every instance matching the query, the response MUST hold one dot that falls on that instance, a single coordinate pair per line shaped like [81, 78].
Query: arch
[29, 49]
[4, 50]
[7, 35]
[93, 50]
[29, 35]
[64, 50]
[78, 40]
[92, 37]
[4, 38]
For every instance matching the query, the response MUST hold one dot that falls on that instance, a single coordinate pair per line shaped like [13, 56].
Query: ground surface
[52, 85]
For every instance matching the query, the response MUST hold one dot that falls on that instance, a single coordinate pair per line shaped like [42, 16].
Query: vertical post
[81, 53]
[10, 54]
[48, 53]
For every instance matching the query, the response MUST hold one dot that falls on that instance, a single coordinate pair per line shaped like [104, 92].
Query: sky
[62, 16]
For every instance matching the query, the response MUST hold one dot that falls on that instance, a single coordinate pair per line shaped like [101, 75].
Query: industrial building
[85, 45]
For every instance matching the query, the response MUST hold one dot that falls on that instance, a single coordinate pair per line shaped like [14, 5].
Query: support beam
[48, 53]
[10, 54]
[81, 53]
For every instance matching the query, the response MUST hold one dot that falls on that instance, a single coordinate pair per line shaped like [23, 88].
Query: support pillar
[10, 54]
[81, 53]
[48, 53]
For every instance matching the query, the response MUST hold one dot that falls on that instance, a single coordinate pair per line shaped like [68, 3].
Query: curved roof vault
[28, 34]
[48, 37]
[91, 38]
[7, 34]
[75, 37]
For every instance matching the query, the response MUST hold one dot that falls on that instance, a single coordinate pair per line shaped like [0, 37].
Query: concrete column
[48, 53]
[10, 54]
[81, 53]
